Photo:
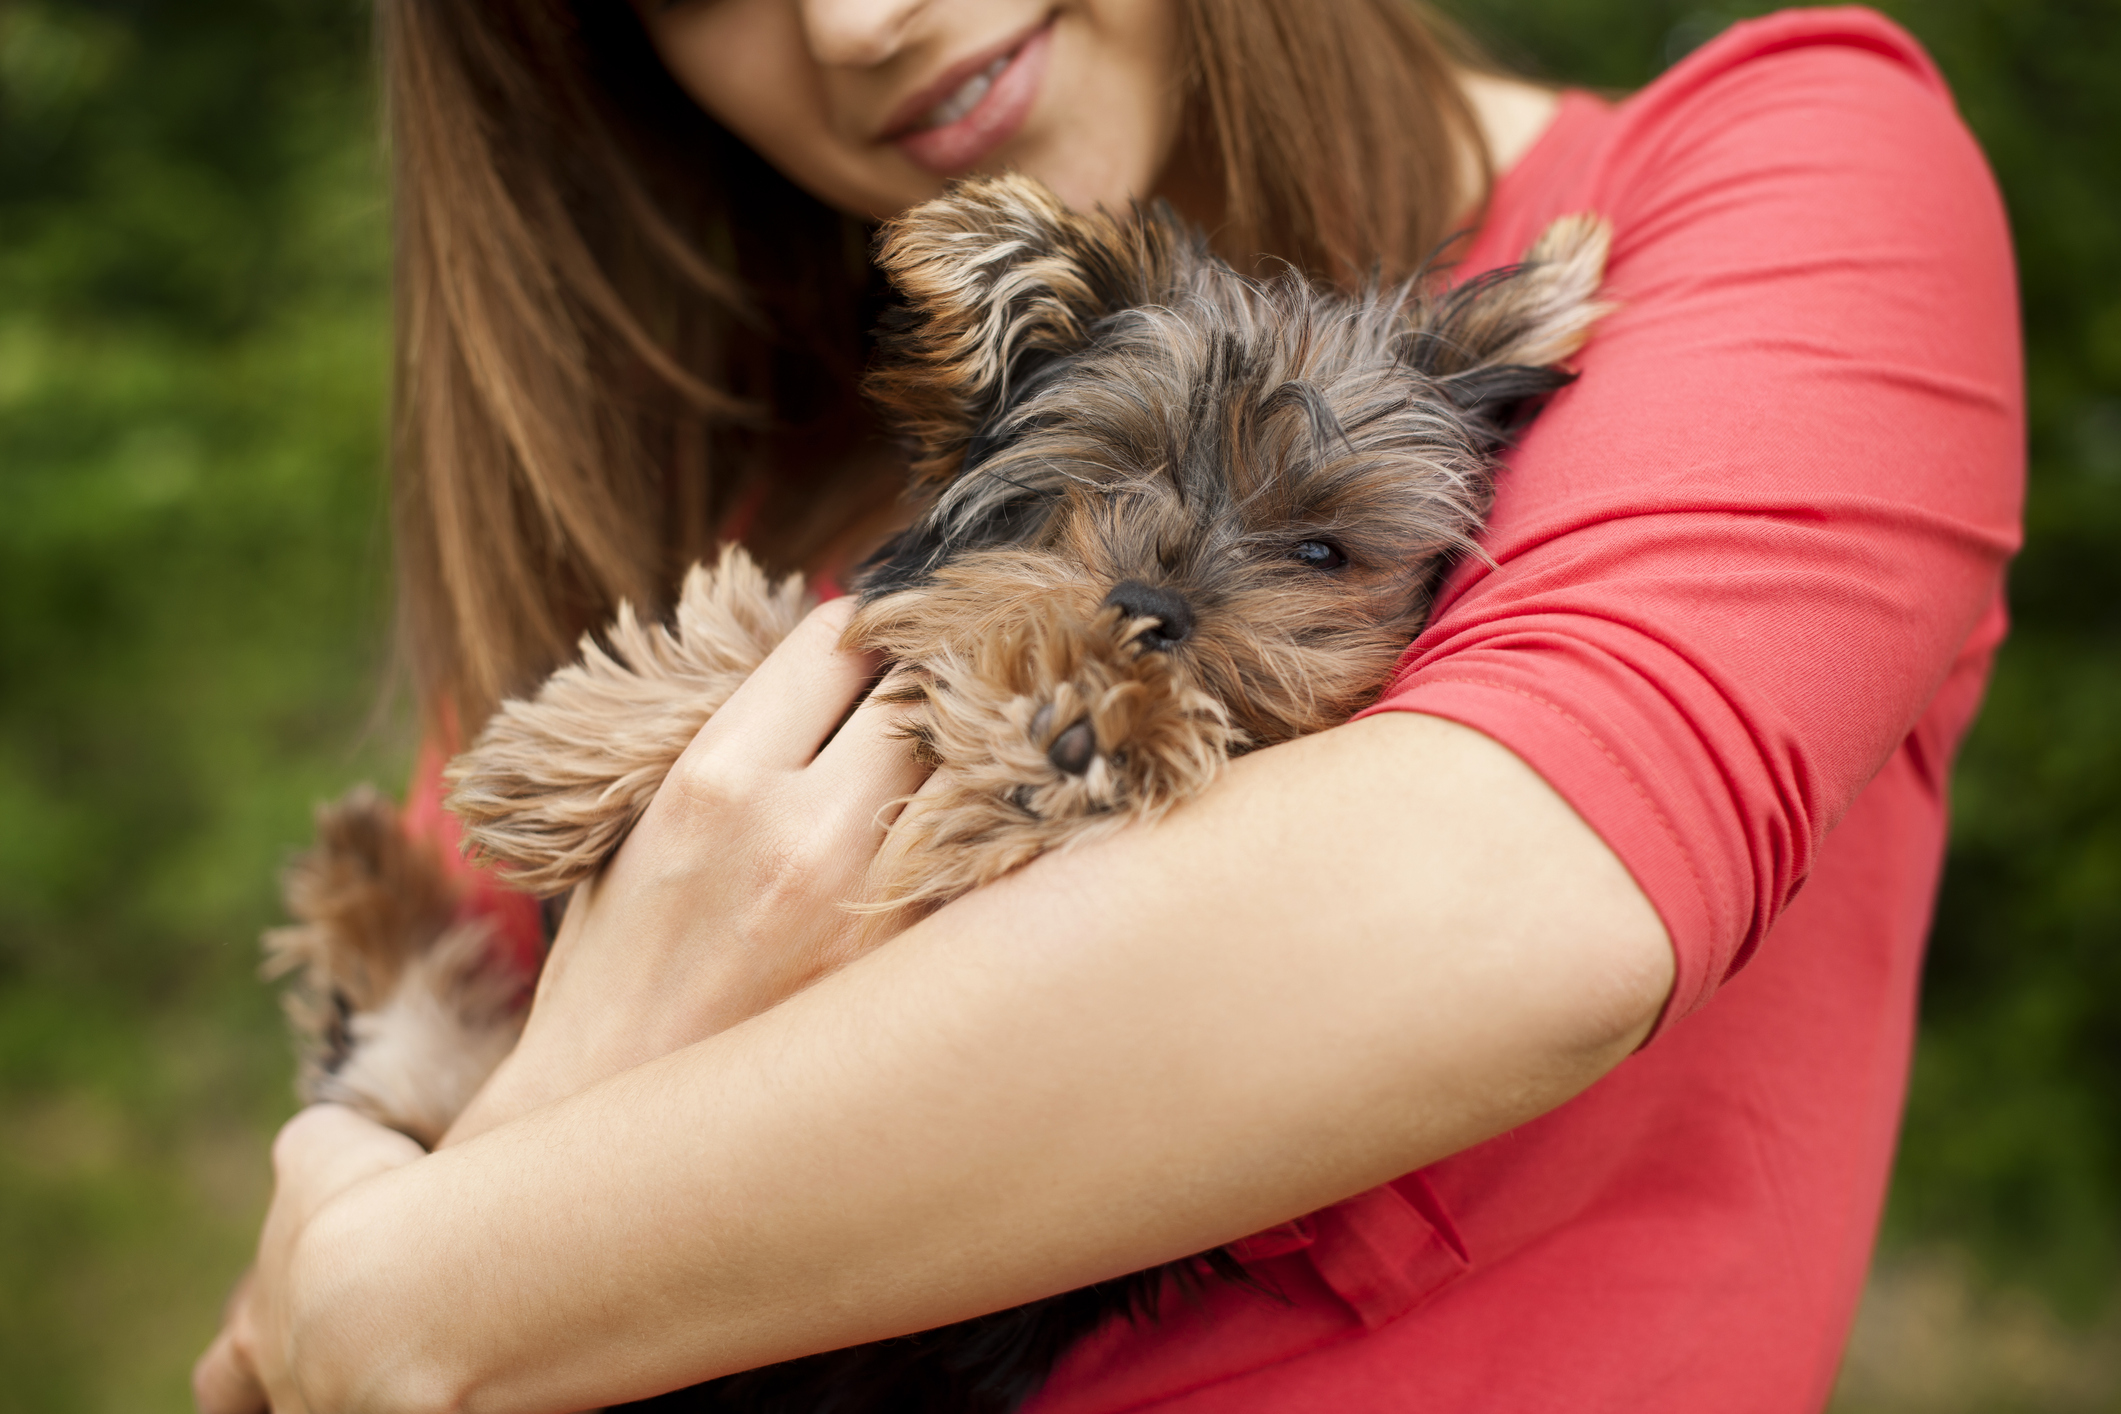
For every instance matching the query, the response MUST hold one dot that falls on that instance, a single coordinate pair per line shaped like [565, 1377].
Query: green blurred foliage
[193, 601]
[193, 356]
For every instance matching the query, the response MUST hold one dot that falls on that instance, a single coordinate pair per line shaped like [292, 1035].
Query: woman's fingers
[730, 892]
[784, 711]
[765, 741]
[223, 1383]
[869, 762]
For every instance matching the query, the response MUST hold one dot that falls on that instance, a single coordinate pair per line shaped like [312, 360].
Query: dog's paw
[555, 782]
[1060, 726]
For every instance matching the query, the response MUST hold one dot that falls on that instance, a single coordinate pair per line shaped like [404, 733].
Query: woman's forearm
[1363, 951]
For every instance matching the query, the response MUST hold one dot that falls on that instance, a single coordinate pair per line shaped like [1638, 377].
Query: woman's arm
[1361, 952]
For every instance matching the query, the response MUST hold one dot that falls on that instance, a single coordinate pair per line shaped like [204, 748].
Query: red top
[1747, 589]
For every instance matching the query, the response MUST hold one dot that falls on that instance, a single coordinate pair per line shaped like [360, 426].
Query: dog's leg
[554, 783]
[400, 1013]
[1043, 737]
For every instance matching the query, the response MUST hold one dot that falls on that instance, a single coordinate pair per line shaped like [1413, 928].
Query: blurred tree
[193, 307]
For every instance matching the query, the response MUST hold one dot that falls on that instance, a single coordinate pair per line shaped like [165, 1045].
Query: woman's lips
[981, 113]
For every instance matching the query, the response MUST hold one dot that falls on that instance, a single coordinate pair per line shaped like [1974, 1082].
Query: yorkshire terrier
[1164, 514]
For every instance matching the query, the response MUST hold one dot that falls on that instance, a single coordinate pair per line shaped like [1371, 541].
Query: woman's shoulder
[1788, 81]
[1787, 48]
[1807, 105]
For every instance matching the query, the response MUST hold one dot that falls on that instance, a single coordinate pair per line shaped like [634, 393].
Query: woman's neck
[1512, 114]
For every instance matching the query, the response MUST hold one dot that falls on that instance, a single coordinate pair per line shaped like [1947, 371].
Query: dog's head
[1170, 512]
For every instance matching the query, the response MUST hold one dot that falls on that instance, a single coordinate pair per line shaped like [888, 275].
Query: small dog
[1165, 514]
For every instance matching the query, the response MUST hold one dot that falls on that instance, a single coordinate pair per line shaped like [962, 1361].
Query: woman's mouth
[979, 111]
[967, 98]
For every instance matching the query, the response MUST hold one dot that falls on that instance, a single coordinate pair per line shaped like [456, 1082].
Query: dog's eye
[1318, 555]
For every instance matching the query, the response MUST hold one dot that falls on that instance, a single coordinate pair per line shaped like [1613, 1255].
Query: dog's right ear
[998, 279]
[1495, 342]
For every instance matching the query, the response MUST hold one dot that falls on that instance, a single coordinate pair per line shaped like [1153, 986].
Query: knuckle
[823, 631]
[222, 1380]
[716, 779]
[205, 1380]
[829, 619]
[292, 1143]
[792, 870]
[804, 863]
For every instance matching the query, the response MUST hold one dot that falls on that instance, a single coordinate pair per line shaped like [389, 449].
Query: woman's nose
[857, 34]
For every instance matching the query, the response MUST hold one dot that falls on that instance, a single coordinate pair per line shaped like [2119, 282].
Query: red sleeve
[1737, 559]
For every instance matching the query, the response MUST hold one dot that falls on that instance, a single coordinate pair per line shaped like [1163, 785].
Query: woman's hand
[726, 898]
[729, 895]
[319, 1154]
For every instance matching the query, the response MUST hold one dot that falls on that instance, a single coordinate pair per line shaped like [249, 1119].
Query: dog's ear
[1494, 342]
[999, 279]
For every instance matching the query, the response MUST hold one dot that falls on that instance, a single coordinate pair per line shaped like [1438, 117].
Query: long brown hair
[620, 333]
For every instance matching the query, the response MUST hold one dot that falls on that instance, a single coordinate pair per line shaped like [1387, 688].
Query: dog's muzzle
[1174, 617]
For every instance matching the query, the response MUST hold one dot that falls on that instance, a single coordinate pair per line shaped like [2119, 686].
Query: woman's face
[872, 105]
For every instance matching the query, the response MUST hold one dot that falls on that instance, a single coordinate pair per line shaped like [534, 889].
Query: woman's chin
[1086, 180]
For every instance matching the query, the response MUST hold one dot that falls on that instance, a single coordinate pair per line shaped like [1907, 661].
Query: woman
[1505, 984]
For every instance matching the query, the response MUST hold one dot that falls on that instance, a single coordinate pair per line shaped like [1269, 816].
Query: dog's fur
[1172, 514]
[1166, 514]
[403, 1010]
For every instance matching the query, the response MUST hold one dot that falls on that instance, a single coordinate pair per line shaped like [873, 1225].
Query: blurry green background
[194, 585]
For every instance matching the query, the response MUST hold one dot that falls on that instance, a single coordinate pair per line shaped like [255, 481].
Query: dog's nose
[1074, 749]
[1174, 618]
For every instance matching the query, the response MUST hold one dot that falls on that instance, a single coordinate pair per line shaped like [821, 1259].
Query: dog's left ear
[1494, 342]
[998, 278]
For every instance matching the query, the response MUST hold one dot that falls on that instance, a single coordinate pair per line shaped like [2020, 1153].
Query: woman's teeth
[958, 104]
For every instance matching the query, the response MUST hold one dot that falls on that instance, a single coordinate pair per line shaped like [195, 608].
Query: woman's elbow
[1605, 964]
[1625, 975]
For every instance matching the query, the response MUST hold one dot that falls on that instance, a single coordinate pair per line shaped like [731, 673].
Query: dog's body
[1167, 514]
